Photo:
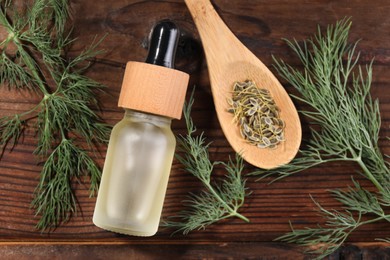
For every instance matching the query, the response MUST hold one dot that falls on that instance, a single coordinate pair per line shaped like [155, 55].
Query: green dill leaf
[331, 78]
[13, 74]
[11, 130]
[65, 116]
[349, 133]
[216, 201]
[203, 210]
[322, 241]
[60, 13]
[359, 199]
[54, 198]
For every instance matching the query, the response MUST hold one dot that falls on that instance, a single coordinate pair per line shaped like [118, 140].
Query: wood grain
[260, 25]
[153, 89]
[264, 251]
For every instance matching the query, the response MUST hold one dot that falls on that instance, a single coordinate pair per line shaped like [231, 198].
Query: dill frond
[216, 201]
[13, 74]
[54, 199]
[11, 129]
[65, 117]
[347, 123]
[324, 240]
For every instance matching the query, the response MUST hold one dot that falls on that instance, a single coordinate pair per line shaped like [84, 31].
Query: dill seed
[256, 114]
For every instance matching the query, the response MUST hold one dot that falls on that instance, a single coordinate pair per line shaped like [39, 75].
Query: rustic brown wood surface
[260, 25]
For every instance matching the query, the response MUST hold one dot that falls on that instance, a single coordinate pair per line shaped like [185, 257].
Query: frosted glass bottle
[136, 173]
[141, 148]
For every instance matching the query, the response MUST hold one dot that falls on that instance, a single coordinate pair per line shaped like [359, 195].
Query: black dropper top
[162, 45]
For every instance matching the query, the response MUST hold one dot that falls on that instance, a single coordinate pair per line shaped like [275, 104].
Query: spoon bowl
[229, 61]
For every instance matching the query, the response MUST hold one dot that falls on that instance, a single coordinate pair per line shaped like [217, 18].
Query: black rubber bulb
[163, 43]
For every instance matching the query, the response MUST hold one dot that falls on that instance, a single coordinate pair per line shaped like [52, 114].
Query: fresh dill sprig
[33, 58]
[216, 201]
[323, 240]
[54, 199]
[11, 129]
[13, 74]
[346, 123]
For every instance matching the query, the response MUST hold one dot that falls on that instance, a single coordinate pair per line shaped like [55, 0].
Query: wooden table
[260, 25]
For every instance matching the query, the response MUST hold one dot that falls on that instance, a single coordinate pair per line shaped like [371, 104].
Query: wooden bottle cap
[153, 89]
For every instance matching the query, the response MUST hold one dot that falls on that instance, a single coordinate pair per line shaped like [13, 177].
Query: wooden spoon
[230, 61]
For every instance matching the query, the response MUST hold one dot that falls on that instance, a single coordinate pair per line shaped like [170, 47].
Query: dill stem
[32, 110]
[369, 175]
[381, 217]
[233, 212]
[238, 215]
[29, 61]
[358, 159]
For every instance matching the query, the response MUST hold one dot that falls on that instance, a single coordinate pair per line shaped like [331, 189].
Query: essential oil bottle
[142, 145]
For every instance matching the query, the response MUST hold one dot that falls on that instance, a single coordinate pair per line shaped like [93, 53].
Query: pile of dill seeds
[256, 114]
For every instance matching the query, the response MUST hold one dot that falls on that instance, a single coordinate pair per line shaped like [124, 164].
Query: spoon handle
[217, 39]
